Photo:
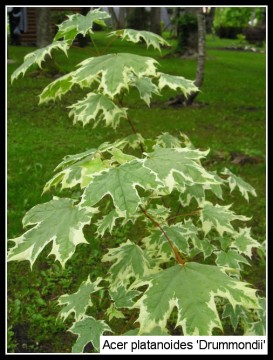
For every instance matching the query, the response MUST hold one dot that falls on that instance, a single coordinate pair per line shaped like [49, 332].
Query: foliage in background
[230, 21]
[117, 157]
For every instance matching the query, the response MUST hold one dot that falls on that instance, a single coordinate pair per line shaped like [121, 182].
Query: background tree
[201, 21]
[118, 21]
[155, 20]
[43, 27]
[44, 38]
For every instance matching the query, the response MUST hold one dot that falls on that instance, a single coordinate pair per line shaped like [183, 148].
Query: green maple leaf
[194, 191]
[257, 328]
[88, 330]
[38, 56]
[120, 157]
[136, 36]
[243, 242]
[192, 290]
[97, 108]
[78, 302]
[230, 258]
[79, 24]
[167, 140]
[120, 183]
[112, 312]
[243, 186]
[176, 82]
[157, 243]
[123, 298]
[58, 221]
[219, 217]
[177, 167]
[115, 70]
[234, 314]
[56, 89]
[107, 222]
[80, 172]
[129, 261]
[146, 88]
[134, 140]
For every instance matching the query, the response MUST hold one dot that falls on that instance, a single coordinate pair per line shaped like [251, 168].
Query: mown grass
[230, 118]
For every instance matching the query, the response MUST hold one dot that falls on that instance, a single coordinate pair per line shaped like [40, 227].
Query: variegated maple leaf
[123, 298]
[244, 187]
[80, 24]
[243, 242]
[136, 36]
[219, 217]
[38, 56]
[129, 261]
[115, 71]
[88, 330]
[177, 167]
[59, 221]
[192, 290]
[120, 183]
[78, 302]
[176, 82]
[56, 89]
[97, 108]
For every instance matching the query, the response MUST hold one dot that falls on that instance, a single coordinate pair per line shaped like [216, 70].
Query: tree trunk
[43, 28]
[114, 18]
[209, 20]
[155, 20]
[121, 18]
[201, 21]
[187, 32]
[44, 38]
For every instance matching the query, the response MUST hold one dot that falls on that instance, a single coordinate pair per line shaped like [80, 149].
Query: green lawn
[229, 117]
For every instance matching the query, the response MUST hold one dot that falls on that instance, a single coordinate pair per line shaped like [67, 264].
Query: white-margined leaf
[56, 89]
[243, 186]
[115, 70]
[157, 244]
[234, 314]
[80, 172]
[243, 241]
[130, 261]
[38, 56]
[136, 36]
[146, 88]
[97, 108]
[192, 290]
[122, 297]
[58, 221]
[219, 217]
[134, 140]
[177, 82]
[120, 183]
[167, 140]
[107, 222]
[178, 166]
[194, 191]
[88, 330]
[258, 328]
[120, 157]
[230, 258]
[80, 24]
[78, 302]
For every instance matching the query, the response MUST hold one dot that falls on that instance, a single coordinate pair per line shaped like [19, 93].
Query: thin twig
[176, 253]
[196, 212]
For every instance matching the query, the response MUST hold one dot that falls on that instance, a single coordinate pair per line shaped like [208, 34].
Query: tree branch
[176, 253]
